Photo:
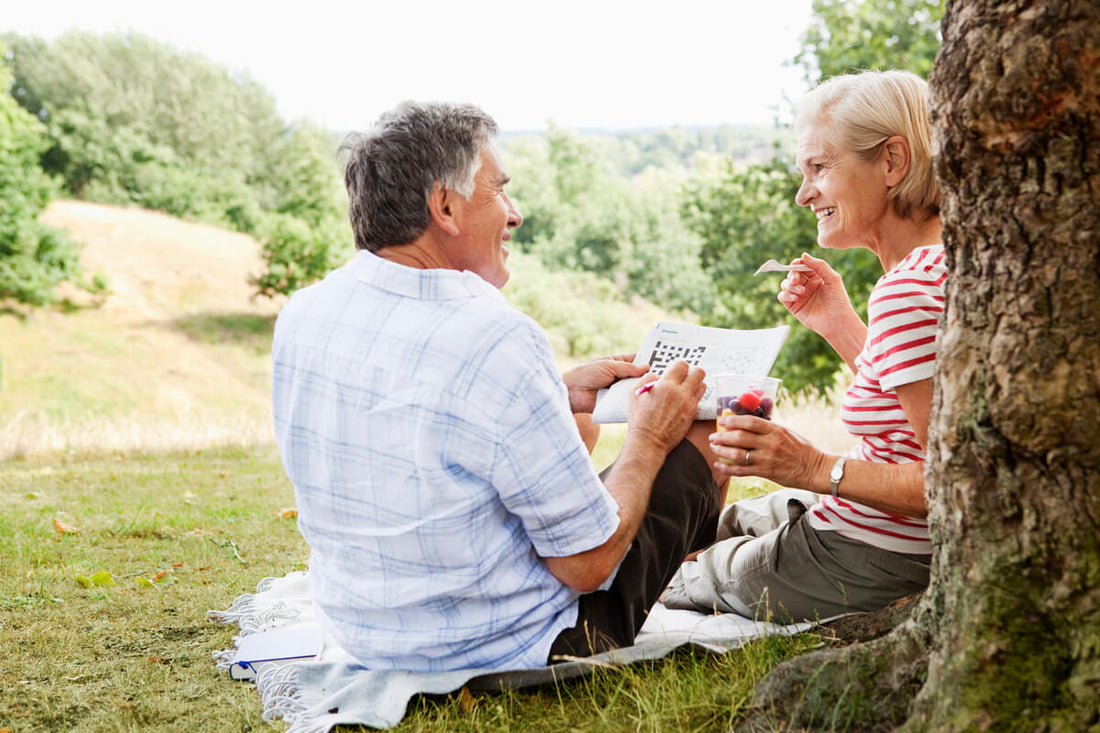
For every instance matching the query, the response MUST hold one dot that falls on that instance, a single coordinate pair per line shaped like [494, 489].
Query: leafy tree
[34, 258]
[850, 35]
[580, 215]
[131, 120]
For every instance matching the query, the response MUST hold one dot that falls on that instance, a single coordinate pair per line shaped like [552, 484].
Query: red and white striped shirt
[903, 313]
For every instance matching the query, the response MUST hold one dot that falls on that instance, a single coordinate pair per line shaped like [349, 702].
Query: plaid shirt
[428, 435]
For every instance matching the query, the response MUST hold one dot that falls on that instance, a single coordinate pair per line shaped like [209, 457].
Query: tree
[34, 258]
[850, 35]
[1007, 636]
[134, 121]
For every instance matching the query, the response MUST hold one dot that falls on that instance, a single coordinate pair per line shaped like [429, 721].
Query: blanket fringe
[244, 613]
[278, 688]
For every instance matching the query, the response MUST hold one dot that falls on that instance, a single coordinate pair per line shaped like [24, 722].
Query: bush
[297, 254]
[33, 258]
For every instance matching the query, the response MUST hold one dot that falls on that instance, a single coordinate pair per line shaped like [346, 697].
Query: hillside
[177, 355]
[174, 356]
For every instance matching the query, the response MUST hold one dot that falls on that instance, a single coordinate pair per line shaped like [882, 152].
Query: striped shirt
[903, 314]
[435, 462]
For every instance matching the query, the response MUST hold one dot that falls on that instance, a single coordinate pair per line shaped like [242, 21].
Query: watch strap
[836, 475]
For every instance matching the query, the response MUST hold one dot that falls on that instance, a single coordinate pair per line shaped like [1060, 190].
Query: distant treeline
[679, 216]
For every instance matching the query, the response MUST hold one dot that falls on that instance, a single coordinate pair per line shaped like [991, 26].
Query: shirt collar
[434, 284]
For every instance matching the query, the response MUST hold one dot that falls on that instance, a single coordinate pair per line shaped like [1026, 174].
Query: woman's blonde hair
[863, 110]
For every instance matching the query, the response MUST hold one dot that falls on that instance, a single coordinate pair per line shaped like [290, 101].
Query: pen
[644, 388]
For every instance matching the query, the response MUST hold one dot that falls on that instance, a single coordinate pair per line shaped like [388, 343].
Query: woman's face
[848, 195]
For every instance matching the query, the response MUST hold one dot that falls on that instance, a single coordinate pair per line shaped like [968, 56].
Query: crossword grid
[665, 353]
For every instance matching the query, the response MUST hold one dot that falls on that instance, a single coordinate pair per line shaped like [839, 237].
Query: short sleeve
[543, 472]
[903, 316]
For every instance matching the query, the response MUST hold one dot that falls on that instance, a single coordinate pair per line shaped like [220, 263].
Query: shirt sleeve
[903, 314]
[543, 472]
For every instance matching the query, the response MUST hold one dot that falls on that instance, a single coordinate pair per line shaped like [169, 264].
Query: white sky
[580, 63]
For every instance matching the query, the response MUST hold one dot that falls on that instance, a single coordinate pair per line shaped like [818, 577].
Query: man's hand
[663, 414]
[658, 421]
[584, 381]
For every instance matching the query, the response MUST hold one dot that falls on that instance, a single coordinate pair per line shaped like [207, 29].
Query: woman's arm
[781, 455]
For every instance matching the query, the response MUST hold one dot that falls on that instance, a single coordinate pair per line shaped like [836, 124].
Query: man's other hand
[585, 380]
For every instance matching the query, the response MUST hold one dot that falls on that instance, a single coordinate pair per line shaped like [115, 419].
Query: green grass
[179, 534]
[182, 533]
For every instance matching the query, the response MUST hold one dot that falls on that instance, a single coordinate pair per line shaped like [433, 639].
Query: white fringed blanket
[314, 696]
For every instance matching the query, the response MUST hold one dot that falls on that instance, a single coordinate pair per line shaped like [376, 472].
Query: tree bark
[1014, 473]
[1007, 637]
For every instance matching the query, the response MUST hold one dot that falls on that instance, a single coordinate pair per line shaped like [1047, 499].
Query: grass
[103, 625]
[111, 561]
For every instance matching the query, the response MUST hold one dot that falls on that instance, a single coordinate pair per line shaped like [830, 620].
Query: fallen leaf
[62, 527]
[83, 581]
[288, 513]
[103, 579]
[145, 583]
[466, 701]
[160, 576]
[177, 565]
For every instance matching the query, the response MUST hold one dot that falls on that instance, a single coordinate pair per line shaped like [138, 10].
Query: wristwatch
[836, 475]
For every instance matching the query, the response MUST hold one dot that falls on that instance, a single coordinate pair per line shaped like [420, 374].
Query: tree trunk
[1007, 636]
[1014, 475]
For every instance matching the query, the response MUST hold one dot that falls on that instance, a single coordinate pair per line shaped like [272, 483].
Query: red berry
[750, 400]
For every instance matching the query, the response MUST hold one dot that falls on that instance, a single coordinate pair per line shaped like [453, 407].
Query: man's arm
[658, 421]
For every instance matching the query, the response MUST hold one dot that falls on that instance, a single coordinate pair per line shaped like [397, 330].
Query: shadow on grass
[249, 330]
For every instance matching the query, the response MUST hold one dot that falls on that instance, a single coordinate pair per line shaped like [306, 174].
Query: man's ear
[443, 207]
[897, 155]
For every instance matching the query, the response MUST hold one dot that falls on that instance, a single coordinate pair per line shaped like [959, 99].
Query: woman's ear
[897, 156]
[442, 208]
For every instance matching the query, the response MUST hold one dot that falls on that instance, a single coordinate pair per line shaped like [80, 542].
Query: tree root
[868, 685]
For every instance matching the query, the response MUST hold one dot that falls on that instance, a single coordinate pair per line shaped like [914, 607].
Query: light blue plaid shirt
[428, 435]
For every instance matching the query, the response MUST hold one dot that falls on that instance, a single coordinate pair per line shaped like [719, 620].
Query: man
[453, 515]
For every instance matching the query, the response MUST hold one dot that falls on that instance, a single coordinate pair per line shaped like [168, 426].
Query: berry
[767, 405]
[750, 400]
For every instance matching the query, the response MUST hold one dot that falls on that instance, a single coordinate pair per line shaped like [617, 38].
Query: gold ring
[748, 456]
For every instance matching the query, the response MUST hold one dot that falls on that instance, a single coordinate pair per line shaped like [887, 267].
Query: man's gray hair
[394, 167]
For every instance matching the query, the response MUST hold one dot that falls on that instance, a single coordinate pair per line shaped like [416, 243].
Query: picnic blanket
[313, 696]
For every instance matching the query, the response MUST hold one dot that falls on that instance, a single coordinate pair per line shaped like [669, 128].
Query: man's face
[486, 222]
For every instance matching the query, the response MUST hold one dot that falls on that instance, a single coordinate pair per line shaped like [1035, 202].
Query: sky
[577, 63]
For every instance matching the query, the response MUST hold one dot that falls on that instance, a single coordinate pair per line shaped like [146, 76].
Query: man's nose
[514, 217]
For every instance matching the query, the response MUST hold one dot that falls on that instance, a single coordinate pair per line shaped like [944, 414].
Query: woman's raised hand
[816, 298]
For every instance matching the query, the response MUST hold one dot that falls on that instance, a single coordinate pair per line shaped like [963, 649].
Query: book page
[716, 350]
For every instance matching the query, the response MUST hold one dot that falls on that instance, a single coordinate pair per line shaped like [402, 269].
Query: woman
[850, 535]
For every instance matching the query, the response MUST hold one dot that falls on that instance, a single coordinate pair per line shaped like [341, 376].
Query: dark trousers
[682, 517]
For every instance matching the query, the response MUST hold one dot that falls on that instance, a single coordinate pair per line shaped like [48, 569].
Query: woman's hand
[819, 301]
[815, 298]
[585, 380]
[758, 447]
